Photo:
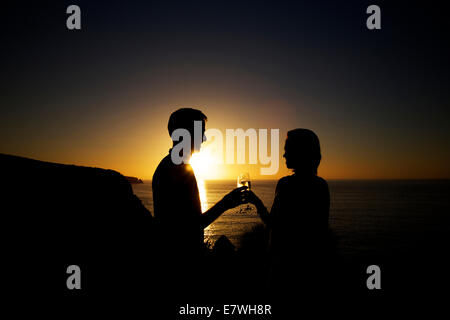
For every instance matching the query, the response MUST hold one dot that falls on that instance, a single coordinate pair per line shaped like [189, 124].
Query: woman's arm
[260, 207]
[267, 217]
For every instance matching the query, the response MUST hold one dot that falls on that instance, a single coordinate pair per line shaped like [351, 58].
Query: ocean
[369, 217]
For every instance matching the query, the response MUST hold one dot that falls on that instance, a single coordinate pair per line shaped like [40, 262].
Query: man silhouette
[176, 199]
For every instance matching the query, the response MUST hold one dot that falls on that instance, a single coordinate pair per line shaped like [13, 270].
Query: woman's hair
[305, 144]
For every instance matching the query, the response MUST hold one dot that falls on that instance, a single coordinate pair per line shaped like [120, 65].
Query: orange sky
[133, 143]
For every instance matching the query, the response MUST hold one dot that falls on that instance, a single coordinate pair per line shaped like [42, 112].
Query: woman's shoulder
[293, 178]
[292, 181]
[321, 181]
[320, 184]
[285, 182]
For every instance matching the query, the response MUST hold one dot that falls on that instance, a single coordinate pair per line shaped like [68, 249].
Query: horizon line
[333, 179]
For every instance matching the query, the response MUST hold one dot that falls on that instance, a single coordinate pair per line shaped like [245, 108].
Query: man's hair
[184, 118]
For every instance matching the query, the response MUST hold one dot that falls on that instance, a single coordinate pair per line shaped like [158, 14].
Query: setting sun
[204, 164]
[200, 162]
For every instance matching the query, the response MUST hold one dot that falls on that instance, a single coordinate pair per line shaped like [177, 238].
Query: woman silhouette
[298, 220]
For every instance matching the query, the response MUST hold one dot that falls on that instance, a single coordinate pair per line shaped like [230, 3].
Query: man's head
[184, 119]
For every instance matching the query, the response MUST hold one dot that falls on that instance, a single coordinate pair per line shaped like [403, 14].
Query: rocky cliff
[55, 215]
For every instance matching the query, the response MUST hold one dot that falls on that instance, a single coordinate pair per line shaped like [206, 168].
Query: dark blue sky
[375, 97]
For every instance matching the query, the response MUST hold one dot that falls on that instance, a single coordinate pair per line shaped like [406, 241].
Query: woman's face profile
[290, 155]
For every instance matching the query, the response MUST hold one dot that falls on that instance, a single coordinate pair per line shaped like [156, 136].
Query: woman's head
[302, 151]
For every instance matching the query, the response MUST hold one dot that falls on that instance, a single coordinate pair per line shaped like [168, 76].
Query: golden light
[202, 163]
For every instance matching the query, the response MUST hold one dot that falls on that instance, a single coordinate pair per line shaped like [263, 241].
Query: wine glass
[244, 180]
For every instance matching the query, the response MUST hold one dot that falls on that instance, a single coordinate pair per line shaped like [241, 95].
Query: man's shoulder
[167, 171]
[162, 166]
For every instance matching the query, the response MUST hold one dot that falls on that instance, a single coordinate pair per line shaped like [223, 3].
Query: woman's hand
[252, 198]
[235, 198]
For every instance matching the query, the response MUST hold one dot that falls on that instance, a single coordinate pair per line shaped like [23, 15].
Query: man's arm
[212, 214]
[231, 200]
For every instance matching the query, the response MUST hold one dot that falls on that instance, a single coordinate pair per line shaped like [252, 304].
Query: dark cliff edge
[55, 215]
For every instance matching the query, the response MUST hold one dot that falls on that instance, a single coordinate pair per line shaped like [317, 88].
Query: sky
[101, 96]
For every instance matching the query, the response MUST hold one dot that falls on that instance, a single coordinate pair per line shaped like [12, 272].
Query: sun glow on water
[201, 162]
[202, 192]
